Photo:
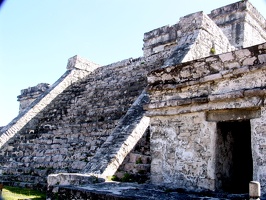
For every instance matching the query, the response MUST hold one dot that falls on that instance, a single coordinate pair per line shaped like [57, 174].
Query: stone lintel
[232, 114]
[247, 103]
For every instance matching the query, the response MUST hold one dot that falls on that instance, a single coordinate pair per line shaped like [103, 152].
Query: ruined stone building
[190, 113]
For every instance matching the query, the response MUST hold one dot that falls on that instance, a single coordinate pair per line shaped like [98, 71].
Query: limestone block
[232, 65]
[226, 57]
[254, 190]
[78, 165]
[211, 77]
[243, 53]
[81, 63]
[57, 158]
[262, 58]
[262, 46]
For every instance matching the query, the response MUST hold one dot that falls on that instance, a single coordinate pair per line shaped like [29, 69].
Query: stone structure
[174, 114]
[207, 121]
[28, 95]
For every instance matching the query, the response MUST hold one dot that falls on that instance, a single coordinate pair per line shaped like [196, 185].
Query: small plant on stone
[212, 51]
[114, 178]
[126, 178]
[95, 179]
[139, 161]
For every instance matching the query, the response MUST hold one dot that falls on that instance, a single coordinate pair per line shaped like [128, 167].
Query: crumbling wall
[182, 149]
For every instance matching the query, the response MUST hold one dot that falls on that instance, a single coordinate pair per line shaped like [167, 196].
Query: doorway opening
[234, 164]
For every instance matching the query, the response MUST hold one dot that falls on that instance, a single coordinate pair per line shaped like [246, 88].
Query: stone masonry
[187, 102]
[172, 114]
[28, 95]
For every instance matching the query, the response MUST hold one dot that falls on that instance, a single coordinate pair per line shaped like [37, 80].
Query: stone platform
[133, 191]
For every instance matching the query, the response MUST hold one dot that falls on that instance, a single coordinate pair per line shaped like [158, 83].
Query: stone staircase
[111, 154]
[136, 165]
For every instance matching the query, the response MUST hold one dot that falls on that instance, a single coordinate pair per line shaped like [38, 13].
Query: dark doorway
[234, 165]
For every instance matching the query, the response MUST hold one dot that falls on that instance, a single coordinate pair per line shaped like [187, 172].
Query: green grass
[15, 193]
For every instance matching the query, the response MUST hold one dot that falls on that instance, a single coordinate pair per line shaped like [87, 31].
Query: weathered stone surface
[28, 95]
[122, 140]
[239, 22]
[234, 114]
[193, 41]
[254, 190]
[65, 135]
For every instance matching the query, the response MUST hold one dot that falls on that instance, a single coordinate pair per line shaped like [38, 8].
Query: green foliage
[14, 193]
[114, 178]
[126, 178]
[139, 161]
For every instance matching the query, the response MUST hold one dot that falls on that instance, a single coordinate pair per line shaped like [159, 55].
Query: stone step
[132, 177]
[23, 178]
[137, 168]
[139, 158]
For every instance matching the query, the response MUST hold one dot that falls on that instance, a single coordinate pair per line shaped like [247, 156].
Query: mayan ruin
[190, 114]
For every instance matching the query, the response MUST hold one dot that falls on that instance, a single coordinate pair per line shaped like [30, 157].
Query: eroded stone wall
[258, 143]
[182, 149]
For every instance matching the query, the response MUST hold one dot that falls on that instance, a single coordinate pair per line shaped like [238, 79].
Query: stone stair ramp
[136, 166]
[110, 156]
[77, 69]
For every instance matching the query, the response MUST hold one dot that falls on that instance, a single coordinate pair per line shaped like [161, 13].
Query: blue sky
[38, 37]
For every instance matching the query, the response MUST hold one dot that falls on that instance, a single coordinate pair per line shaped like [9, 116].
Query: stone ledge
[261, 92]
[246, 102]
[133, 191]
[77, 62]
[181, 74]
[72, 179]
[233, 114]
